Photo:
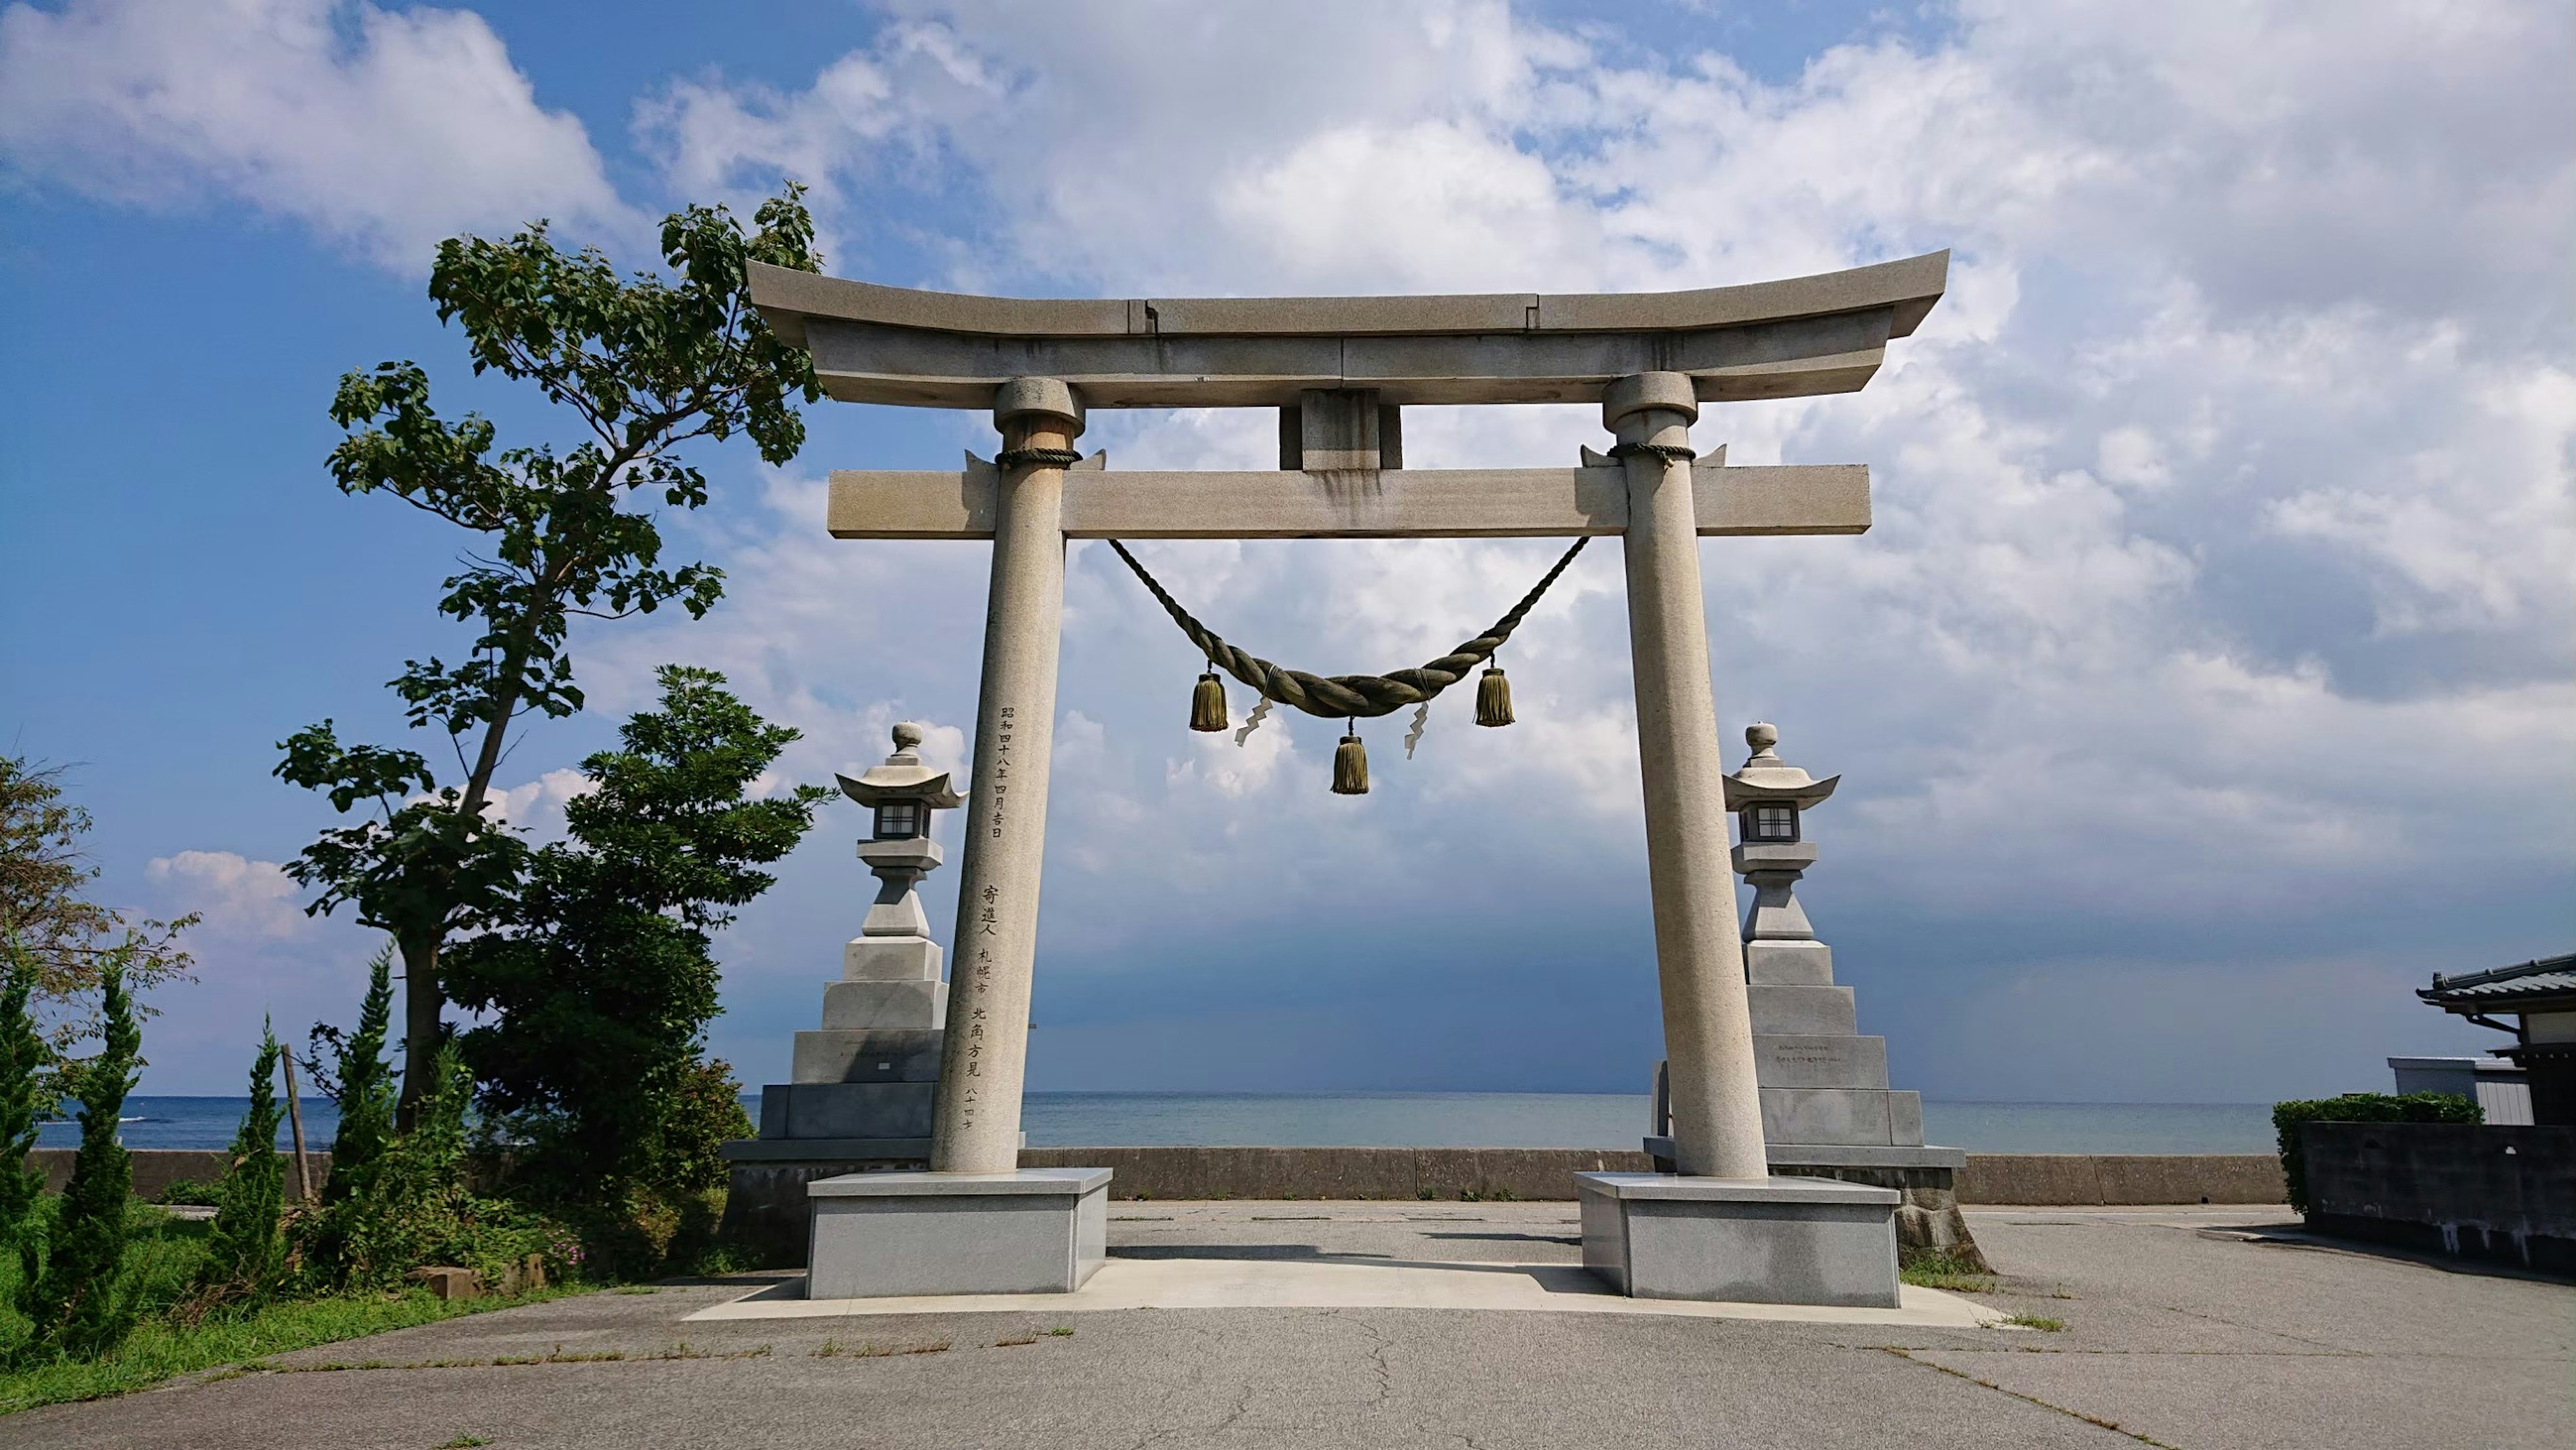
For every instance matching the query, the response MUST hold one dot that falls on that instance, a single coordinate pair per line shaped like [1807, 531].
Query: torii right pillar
[1721, 1227]
[1699, 955]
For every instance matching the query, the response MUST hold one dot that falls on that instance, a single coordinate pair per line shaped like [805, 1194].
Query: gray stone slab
[891, 959]
[1820, 1062]
[1825, 1115]
[1755, 1241]
[1866, 1155]
[1905, 1117]
[849, 1110]
[1789, 964]
[1802, 1011]
[1753, 500]
[1034, 1231]
[885, 1006]
[869, 1057]
[826, 1150]
[1070, 1182]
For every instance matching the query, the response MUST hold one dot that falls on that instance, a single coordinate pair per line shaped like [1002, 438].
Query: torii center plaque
[1340, 370]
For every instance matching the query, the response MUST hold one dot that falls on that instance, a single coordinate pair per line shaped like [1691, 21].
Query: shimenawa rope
[1344, 697]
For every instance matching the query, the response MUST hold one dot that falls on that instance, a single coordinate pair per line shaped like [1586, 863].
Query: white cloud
[383, 130]
[2233, 475]
[237, 896]
[537, 806]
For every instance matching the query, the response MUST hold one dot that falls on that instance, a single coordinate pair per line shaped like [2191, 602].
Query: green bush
[185, 1193]
[2358, 1108]
[81, 1302]
[244, 1250]
[24, 1063]
[417, 1207]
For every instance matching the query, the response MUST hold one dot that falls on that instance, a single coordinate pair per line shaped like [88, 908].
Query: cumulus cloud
[2232, 476]
[236, 896]
[384, 131]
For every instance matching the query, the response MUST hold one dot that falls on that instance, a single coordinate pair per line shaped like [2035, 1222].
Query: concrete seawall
[155, 1169]
[1453, 1173]
[1547, 1173]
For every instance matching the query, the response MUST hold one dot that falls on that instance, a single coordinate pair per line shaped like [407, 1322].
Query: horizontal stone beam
[1791, 338]
[1470, 503]
[869, 363]
[791, 299]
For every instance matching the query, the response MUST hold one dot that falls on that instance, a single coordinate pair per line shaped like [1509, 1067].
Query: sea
[1385, 1119]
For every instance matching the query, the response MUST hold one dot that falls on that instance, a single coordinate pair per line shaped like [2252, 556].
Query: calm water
[1407, 1120]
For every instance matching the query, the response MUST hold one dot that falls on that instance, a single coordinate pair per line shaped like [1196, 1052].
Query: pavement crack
[2113, 1426]
[1379, 1344]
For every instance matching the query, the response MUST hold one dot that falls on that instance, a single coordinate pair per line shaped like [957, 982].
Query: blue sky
[2205, 684]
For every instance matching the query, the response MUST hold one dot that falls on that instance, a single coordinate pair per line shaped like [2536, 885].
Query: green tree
[245, 1250]
[24, 1067]
[81, 1305]
[67, 938]
[602, 979]
[360, 1084]
[641, 366]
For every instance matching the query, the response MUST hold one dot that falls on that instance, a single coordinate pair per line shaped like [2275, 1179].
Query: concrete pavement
[2183, 1327]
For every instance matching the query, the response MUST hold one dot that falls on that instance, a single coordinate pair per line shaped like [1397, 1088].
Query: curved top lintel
[1908, 288]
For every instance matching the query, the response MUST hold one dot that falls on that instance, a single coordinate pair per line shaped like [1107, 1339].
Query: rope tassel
[1207, 704]
[1350, 766]
[1493, 697]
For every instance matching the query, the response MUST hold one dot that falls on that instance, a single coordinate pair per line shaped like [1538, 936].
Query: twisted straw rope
[1341, 697]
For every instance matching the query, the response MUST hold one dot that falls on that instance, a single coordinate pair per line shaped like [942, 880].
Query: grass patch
[1943, 1270]
[464, 1442]
[2036, 1321]
[1061, 1329]
[161, 1348]
[161, 1263]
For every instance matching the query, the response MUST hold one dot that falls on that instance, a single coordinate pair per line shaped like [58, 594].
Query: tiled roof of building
[2501, 987]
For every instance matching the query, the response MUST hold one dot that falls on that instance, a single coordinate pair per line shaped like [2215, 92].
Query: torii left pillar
[978, 1223]
[977, 1124]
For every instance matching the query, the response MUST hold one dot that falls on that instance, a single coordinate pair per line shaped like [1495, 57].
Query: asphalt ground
[2188, 1328]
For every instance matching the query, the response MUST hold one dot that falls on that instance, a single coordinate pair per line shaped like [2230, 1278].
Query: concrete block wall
[2474, 1190]
[156, 1169]
[2118, 1178]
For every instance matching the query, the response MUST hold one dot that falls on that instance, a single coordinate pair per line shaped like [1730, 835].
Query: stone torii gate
[1340, 371]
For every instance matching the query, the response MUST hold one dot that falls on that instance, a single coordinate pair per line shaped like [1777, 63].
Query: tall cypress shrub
[81, 1305]
[363, 1089]
[361, 1085]
[23, 1061]
[244, 1249]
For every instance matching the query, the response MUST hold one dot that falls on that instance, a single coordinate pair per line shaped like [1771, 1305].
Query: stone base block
[1814, 1061]
[847, 1109]
[1741, 1240]
[1841, 1115]
[1788, 964]
[890, 959]
[1803, 1011]
[885, 1006]
[835, 1055]
[1033, 1231]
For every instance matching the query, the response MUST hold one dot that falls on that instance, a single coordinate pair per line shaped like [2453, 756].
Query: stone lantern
[902, 792]
[1770, 798]
[864, 1085]
[1827, 1109]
